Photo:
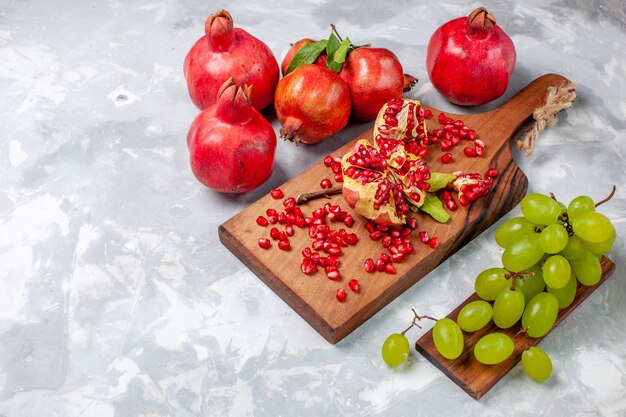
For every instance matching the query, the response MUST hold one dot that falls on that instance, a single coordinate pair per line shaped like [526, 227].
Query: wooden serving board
[474, 377]
[313, 297]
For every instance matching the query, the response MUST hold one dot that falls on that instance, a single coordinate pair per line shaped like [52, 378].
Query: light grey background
[116, 297]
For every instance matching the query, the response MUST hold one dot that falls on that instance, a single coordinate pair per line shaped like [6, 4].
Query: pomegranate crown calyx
[219, 30]
[480, 22]
[233, 101]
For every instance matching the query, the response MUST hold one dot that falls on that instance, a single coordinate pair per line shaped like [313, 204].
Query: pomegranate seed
[282, 218]
[455, 140]
[354, 285]
[412, 223]
[339, 177]
[284, 245]
[423, 236]
[405, 232]
[451, 205]
[325, 183]
[352, 238]
[427, 114]
[441, 118]
[492, 172]
[406, 248]
[341, 295]
[262, 221]
[289, 204]
[397, 257]
[274, 233]
[334, 251]
[446, 158]
[433, 242]
[370, 226]
[369, 265]
[479, 151]
[469, 152]
[308, 267]
[471, 135]
[376, 235]
[333, 275]
[328, 161]
[277, 193]
[382, 228]
[479, 143]
[446, 145]
[385, 258]
[332, 261]
[289, 230]
[390, 269]
[336, 167]
[380, 265]
[348, 221]
[265, 243]
[386, 241]
[463, 201]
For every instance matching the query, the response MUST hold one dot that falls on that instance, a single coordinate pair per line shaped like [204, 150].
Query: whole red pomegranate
[312, 103]
[321, 60]
[226, 52]
[470, 59]
[374, 76]
[231, 146]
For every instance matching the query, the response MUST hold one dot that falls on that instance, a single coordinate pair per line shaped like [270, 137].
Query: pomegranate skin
[226, 52]
[231, 146]
[470, 68]
[374, 76]
[312, 103]
[321, 60]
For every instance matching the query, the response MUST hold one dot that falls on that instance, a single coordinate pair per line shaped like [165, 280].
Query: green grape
[574, 248]
[537, 364]
[566, 294]
[523, 253]
[579, 205]
[540, 314]
[556, 271]
[600, 248]
[553, 238]
[491, 282]
[587, 268]
[448, 338]
[592, 227]
[493, 348]
[508, 308]
[396, 349]
[474, 316]
[511, 229]
[531, 284]
[540, 209]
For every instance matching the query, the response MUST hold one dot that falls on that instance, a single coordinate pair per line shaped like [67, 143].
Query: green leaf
[332, 45]
[439, 180]
[433, 206]
[307, 55]
[343, 50]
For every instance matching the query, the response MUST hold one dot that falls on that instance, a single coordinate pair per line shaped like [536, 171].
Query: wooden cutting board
[474, 377]
[313, 297]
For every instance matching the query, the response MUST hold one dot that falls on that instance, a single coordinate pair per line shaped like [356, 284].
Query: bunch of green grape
[548, 252]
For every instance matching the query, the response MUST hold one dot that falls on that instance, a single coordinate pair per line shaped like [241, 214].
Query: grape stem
[303, 198]
[608, 198]
[416, 318]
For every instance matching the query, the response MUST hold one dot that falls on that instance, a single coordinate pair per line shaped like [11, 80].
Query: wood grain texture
[313, 297]
[472, 376]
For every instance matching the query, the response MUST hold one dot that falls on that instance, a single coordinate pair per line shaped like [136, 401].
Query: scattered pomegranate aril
[389, 269]
[369, 265]
[397, 257]
[423, 236]
[451, 205]
[469, 152]
[376, 235]
[265, 243]
[412, 223]
[328, 161]
[333, 275]
[492, 172]
[274, 233]
[262, 221]
[380, 265]
[341, 295]
[479, 151]
[325, 183]
[289, 230]
[446, 158]
[433, 242]
[308, 267]
[354, 285]
[277, 194]
[284, 245]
